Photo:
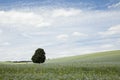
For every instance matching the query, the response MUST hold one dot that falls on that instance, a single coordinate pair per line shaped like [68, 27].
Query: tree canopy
[39, 56]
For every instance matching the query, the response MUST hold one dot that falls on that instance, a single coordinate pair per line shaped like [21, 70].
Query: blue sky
[61, 27]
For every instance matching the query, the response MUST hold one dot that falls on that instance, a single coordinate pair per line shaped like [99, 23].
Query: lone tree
[39, 56]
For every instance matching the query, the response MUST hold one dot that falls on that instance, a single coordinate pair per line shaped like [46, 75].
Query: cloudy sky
[61, 27]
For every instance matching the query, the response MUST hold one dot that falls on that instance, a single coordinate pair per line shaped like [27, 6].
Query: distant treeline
[19, 61]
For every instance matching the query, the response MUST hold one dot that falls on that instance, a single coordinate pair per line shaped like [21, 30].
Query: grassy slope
[108, 56]
[97, 66]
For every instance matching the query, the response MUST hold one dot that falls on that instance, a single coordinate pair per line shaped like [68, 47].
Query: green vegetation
[97, 66]
[108, 56]
[39, 56]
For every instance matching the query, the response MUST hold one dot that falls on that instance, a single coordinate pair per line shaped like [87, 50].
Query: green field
[96, 66]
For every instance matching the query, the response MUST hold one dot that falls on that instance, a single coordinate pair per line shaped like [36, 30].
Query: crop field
[96, 66]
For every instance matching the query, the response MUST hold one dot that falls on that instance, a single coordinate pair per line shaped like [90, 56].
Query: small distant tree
[39, 56]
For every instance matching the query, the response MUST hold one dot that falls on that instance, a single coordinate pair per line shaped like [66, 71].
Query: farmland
[96, 66]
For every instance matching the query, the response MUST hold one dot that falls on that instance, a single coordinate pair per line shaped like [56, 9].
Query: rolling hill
[96, 66]
[107, 56]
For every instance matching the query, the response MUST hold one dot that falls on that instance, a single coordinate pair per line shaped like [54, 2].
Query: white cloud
[26, 35]
[111, 31]
[79, 34]
[64, 21]
[22, 19]
[118, 40]
[65, 37]
[65, 12]
[107, 46]
[117, 5]
[40, 33]
[62, 37]
[1, 31]
[5, 44]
